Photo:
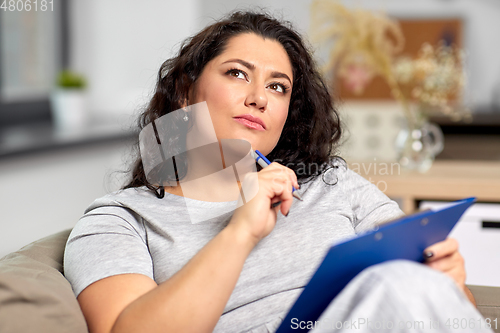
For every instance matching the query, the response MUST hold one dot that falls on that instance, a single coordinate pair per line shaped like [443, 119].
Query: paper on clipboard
[404, 238]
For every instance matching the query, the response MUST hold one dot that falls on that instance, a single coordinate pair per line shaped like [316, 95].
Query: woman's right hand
[257, 218]
[134, 302]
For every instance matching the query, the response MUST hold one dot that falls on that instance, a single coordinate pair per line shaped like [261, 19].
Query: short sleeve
[106, 241]
[370, 205]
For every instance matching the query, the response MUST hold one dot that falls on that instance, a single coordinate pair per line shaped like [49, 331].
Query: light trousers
[401, 296]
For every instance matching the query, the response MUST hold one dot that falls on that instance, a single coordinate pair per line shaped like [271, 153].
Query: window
[33, 48]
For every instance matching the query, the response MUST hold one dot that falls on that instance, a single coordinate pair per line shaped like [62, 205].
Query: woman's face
[249, 83]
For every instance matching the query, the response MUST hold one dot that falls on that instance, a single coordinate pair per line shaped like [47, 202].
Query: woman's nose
[257, 97]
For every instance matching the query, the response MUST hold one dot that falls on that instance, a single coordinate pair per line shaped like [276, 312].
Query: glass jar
[418, 146]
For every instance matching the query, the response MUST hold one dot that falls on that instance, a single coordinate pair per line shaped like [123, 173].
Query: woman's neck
[207, 178]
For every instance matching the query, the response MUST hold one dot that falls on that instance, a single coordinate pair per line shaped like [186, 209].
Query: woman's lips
[250, 124]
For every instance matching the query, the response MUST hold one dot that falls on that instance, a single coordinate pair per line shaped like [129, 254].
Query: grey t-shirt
[132, 231]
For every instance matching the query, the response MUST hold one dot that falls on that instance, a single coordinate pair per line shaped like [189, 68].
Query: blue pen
[264, 162]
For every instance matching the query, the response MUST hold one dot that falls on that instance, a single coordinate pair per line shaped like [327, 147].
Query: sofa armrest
[34, 294]
[488, 303]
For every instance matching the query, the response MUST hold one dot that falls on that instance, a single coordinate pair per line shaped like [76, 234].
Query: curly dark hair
[312, 130]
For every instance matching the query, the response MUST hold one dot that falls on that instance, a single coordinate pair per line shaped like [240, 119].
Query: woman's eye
[236, 73]
[278, 87]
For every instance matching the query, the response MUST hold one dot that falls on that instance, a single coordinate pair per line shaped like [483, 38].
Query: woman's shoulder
[113, 198]
[337, 176]
[122, 209]
[335, 172]
[123, 197]
[130, 206]
[345, 174]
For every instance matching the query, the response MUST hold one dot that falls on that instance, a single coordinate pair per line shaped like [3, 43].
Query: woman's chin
[237, 136]
[253, 143]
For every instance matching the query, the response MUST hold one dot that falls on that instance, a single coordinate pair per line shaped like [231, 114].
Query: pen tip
[297, 195]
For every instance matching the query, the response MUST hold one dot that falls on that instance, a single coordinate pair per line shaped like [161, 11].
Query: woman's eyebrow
[252, 67]
[242, 62]
[280, 75]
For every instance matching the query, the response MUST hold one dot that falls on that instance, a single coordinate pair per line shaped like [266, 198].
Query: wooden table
[446, 180]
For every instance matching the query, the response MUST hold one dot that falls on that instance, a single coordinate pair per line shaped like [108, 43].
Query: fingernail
[428, 254]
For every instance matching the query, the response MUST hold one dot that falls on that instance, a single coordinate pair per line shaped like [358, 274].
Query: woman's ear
[191, 94]
[184, 104]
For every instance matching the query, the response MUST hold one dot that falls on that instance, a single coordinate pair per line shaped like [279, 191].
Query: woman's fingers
[447, 263]
[257, 217]
[441, 249]
[282, 179]
[453, 266]
[293, 178]
[287, 196]
[278, 169]
[446, 259]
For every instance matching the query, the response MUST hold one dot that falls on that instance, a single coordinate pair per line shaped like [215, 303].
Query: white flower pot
[68, 109]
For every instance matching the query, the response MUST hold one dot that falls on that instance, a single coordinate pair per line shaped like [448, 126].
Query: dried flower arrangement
[433, 80]
[366, 44]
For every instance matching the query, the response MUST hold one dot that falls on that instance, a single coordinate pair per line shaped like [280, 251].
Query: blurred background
[74, 74]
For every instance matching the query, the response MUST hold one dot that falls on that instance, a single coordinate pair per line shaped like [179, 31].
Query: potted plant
[68, 101]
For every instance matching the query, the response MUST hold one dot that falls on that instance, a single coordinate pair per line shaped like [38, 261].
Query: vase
[68, 109]
[418, 145]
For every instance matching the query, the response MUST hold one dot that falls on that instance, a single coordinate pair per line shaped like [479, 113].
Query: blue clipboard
[404, 238]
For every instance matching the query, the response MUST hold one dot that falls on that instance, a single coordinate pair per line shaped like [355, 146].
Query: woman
[138, 263]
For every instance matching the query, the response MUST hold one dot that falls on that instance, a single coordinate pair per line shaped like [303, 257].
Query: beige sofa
[35, 296]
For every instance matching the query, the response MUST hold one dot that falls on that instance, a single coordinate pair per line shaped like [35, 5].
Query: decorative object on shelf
[418, 145]
[68, 102]
[366, 45]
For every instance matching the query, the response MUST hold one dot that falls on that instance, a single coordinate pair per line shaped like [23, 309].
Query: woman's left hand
[446, 258]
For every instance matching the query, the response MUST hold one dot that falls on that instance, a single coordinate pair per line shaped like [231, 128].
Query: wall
[481, 35]
[120, 45]
[295, 11]
[481, 18]
[44, 193]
